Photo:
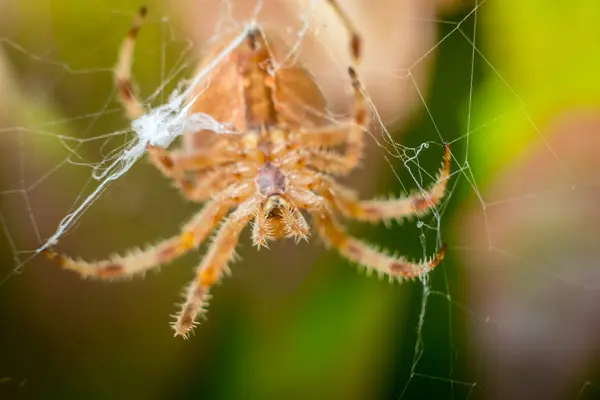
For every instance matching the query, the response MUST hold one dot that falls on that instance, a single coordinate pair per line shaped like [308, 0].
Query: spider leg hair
[418, 203]
[365, 255]
[139, 261]
[356, 250]
[220, 252]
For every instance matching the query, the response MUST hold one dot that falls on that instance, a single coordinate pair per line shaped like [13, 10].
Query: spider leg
[214, 181]
[355, 43]
[307, 200]
[128, 97]
[418, 203]
[174, 163]
[354, 249]
[212, 173]
[220, 252]
[139, 261]
[350, 132]
[355, 141]
[127, 94]
[125, 91]
[331, 162]
[365, 255]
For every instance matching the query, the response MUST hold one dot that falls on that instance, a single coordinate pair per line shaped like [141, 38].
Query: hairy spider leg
[356, 250]
[367, 256]
[172, 165]
[418, 203]
[214, 263]
[139, 261]
[332, 162]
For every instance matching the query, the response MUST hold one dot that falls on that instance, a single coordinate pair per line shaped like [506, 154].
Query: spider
[285, 160]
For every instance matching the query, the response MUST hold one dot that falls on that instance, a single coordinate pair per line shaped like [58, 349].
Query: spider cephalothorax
[282, 160]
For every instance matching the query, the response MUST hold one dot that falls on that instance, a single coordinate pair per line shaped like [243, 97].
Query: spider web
[513, 310]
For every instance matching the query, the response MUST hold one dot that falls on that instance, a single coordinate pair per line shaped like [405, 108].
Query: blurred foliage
[540, 62]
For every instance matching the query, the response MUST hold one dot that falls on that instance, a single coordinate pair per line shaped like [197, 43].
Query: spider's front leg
[213, 265]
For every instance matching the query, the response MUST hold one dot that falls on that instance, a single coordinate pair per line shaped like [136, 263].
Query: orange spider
[284, 160]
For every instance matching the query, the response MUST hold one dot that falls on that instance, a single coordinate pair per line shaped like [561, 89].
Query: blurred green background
[299, 322]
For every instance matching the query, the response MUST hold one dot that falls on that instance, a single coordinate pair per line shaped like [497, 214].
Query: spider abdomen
[250, 89]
